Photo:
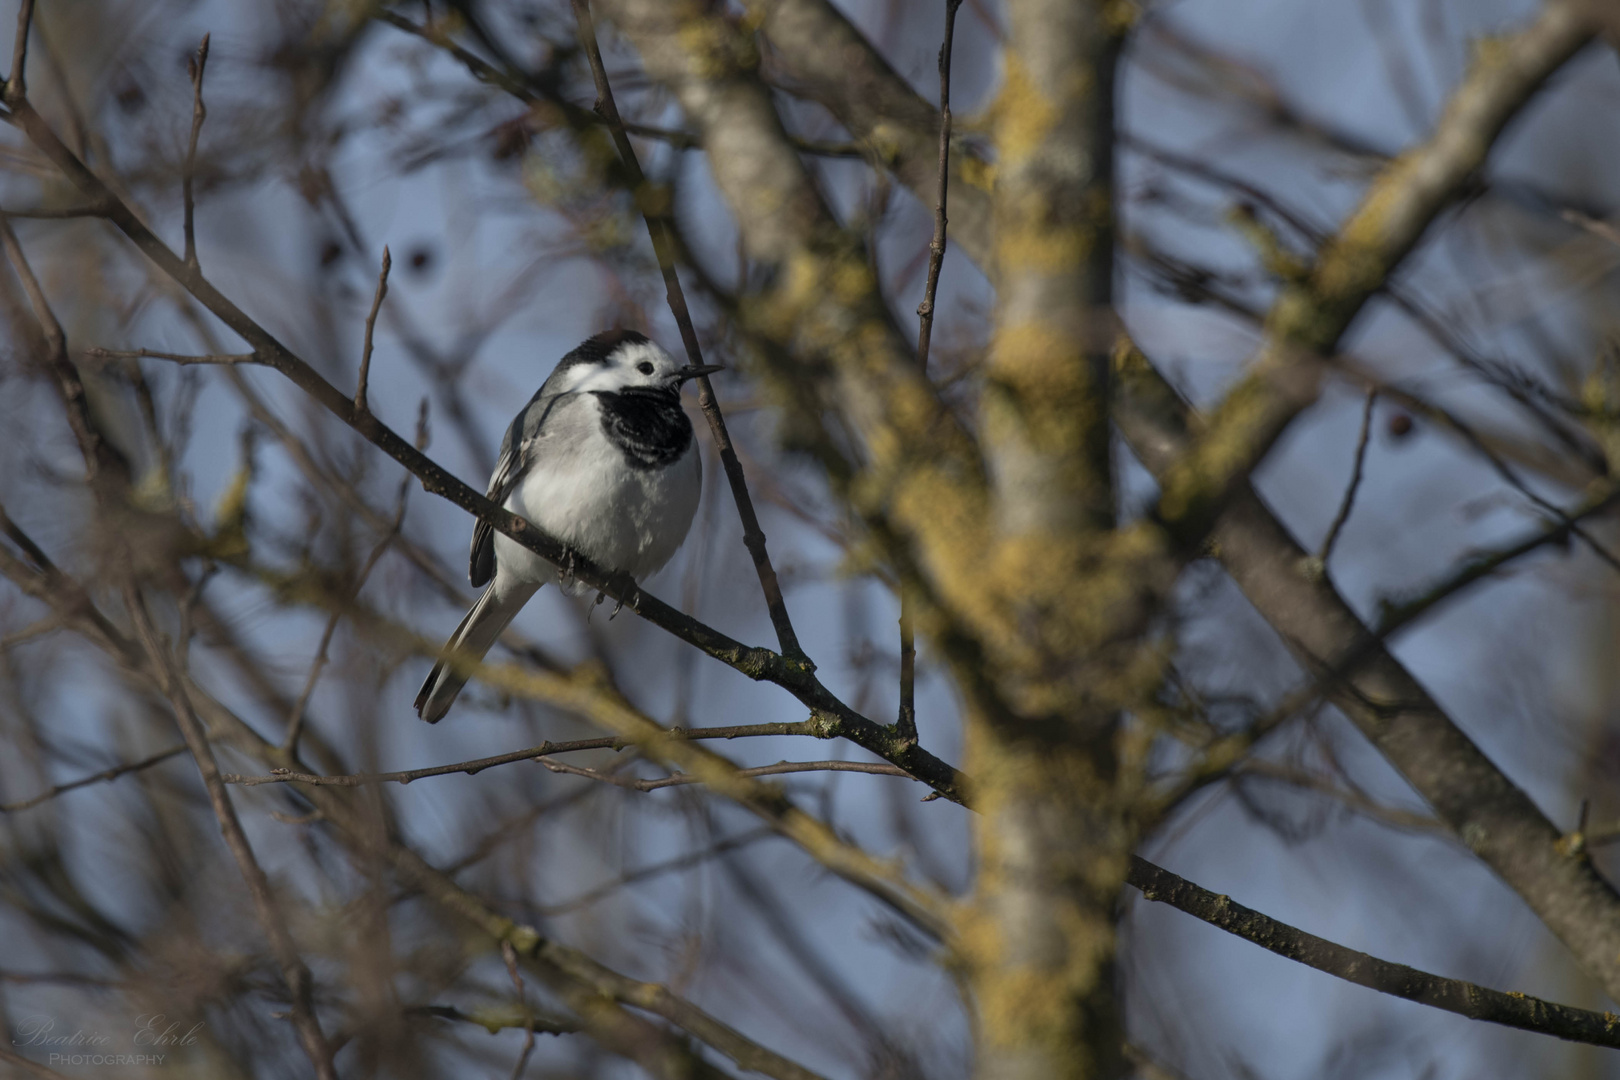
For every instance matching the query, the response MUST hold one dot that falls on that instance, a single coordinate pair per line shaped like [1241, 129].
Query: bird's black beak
[694, 371]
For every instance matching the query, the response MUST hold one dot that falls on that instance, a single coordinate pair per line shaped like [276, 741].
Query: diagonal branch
[102, 461]
[29, 1066]
[103, 776]
[1453, 995]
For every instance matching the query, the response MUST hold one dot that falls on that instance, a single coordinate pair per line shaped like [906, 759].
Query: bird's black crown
[597, 349]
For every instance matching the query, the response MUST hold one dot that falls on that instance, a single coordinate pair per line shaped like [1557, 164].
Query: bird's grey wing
[481, 559]
[518, 450]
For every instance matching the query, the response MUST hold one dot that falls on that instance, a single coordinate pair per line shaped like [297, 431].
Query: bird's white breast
[586, 494]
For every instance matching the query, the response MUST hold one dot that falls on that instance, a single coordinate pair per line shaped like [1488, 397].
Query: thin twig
[492, 1020]
[64, 978]
[906, 723]
[1352, 798]
[1552, 509]
[102, 461]
[174, 358]
[679, 862]
[1355, 482]
[1453, 995]
[270, 918]
[38, 629]
[199, 112]
[94, 778]
[663, 242]
[780, 768]
[509, 954]
[361, 405]
[35, 553]
[17, 84]
[295, 718]
[936, 248]
[1397, 615]
[1592, 225]
[42, 213]
[533, 753]
[531, 92]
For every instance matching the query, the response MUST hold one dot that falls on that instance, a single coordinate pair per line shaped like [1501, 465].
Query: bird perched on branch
[601, 458]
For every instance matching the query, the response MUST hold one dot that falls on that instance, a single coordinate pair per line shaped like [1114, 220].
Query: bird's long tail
[471, 640]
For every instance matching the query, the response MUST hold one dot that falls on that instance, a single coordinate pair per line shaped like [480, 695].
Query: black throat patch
[647, 425]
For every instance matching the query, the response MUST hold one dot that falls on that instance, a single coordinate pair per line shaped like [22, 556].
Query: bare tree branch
[188, 173]
[533, 753]
[509, 954]
[906, 724]
[103, 776]
[1453, 995]
[1349, 501]
[1309, 318]
[182, 359]
[293, 970]
[779, 769]
[17, 83]
[820, 54]
[103, 462]
[295, 718]
[361, 405]
[1492, 816]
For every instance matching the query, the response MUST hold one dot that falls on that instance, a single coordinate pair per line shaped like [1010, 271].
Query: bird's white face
[629, 364]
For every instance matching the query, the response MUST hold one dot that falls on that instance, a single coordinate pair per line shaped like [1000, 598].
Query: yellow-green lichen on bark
[1038, 944]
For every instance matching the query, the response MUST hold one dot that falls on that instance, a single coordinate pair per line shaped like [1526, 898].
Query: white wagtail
[601, 458]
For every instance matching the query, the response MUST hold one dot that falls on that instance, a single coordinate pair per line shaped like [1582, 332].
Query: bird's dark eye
[645, 368]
